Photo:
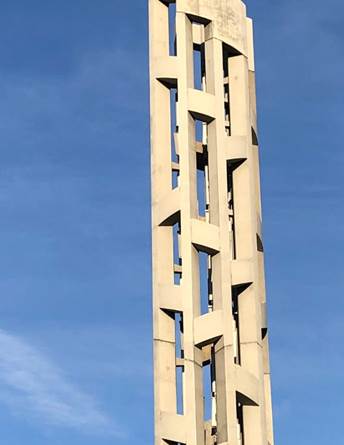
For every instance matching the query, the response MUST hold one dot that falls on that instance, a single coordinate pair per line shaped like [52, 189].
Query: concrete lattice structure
[212, 378]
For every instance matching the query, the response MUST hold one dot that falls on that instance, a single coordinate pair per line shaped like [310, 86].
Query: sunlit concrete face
[212, 378]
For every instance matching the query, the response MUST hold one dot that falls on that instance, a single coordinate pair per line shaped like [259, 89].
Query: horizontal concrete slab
[236, 148]
[201, 105]
[170, 298]
[173, 427]
[241, 272]
[166, 70]
[208, 328]
[205, 236]
[168, 208]
[247, 385]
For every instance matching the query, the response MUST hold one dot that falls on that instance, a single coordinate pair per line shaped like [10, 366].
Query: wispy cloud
[32, 386]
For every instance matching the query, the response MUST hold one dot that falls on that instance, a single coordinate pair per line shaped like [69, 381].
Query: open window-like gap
[203, 184]
[226, 109]
[230, 199]
[227, 52]
[201, 193]
[260, 246]
[199, 62]
[179, 335]
[236, 291]
[254, 137]
[198, 75]
[179, 387]
[179, 331]
[231, 166]
[202, 169]
[175, 176]
[174, 135]
[177, 260]
[199, 55]
[200, 131]
[236, 325]
[172, 13]
[209, 391]
[240, 424]
[206, 284]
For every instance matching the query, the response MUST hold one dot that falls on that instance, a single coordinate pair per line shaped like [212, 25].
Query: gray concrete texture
[211, 358]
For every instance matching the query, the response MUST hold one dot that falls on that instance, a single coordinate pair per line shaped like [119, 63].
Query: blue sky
[74, 206]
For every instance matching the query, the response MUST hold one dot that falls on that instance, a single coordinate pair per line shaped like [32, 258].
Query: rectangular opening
[199, 67]
[207, 392]
[199, 131]
[236, 325]
[230, 198]
[226, 108]
[172, 28]
[177, 275]
[205, 274]
[174, 126]
[202, 193]
[179, 386]
[179, 329]
[227, 52]
[177, 260]
[240, 425]
[202, 169]
[175, 177]
[199, 56]
[174, 135]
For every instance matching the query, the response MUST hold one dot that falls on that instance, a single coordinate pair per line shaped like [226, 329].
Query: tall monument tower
[211, 358]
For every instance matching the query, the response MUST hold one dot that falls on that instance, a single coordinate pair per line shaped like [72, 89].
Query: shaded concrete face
[212, 378]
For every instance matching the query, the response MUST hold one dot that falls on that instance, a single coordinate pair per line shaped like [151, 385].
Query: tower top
[227, 19]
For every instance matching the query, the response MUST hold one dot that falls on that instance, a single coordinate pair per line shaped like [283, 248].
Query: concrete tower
[212, 378]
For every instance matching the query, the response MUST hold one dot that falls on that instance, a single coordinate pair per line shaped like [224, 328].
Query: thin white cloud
[32, 386]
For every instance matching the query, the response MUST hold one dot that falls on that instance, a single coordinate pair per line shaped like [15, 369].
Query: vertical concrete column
[226, 394]
[246, 231]
[164, 335]
[260, 253]
[188, 199]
